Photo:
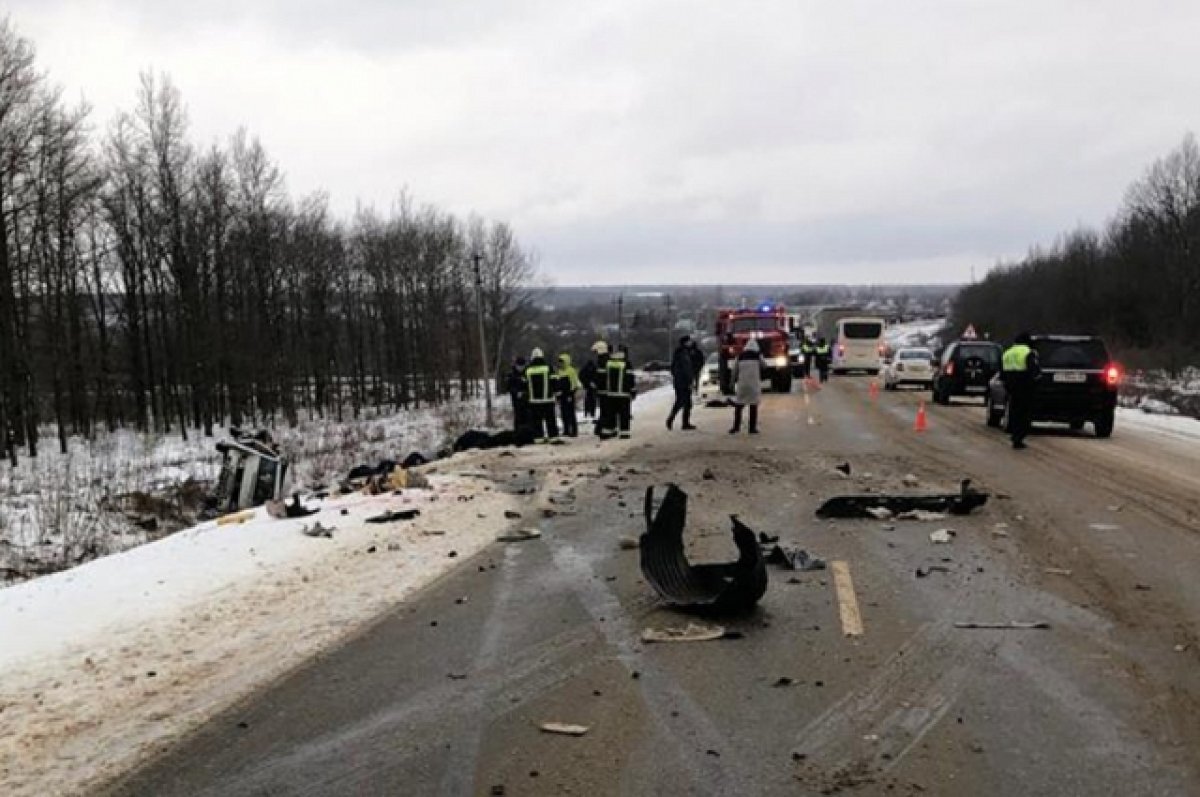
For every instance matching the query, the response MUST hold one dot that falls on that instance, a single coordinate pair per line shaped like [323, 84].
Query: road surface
[1099, 539]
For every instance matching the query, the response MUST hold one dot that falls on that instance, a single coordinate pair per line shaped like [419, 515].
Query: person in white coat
[747, 380]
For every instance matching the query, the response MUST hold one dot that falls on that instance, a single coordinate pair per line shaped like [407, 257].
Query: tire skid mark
[905, 698]
[659, 691]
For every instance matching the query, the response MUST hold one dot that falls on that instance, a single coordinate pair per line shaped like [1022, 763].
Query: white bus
[857, 345]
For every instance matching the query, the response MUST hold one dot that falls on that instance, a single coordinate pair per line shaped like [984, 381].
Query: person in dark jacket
[589, 378]
[683, 379]
[514, 383]
[1019, 372]
[808, 352]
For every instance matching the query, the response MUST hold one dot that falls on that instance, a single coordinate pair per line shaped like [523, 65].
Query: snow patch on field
[1176, 427]
[923, 332]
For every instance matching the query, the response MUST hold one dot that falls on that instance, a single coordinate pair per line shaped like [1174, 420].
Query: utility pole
[483, 354]
[620, 318]
[670, 348]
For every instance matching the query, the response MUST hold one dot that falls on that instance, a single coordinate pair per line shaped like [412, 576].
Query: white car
[909, 366]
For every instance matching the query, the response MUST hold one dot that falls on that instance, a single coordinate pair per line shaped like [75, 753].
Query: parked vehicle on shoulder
[911, 365]
[965, 369]
[1078, 385]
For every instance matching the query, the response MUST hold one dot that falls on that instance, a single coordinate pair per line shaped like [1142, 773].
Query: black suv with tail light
[965, 369]
[1078, 385]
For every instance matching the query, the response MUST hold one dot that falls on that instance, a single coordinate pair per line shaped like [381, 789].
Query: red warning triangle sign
[969, 332]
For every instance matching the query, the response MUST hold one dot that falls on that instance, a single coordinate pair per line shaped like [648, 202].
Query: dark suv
[965, 369]
[1078, 385]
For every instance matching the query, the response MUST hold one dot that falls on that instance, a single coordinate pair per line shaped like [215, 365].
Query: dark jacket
[683, 369]
[697, 360]
[514, 383]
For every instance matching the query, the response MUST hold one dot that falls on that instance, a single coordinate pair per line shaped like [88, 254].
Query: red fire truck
[769, 324]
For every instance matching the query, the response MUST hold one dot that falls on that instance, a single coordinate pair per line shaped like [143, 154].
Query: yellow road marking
[852, 624]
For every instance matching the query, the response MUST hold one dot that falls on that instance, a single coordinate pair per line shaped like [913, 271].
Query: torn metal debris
[734, 586]
[393, 515]
[793, 559]
[963, 502]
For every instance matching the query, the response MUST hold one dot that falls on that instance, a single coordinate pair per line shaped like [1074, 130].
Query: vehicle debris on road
[942, 536]
[733, 586]
[965, 501]
[393, 515]
[1057, 571]
[793, 559]
[923, 572]
[692, 632]
[1013, 625]
[519, 535]
[317, 530]
[564, 729]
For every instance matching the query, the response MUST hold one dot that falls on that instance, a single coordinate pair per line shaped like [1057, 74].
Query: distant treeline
[148, 282]
[1136, 282]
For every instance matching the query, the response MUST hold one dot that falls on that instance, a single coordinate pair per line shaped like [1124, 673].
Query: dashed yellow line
[852, 624]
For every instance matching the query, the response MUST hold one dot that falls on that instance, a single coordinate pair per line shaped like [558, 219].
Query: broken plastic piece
[564, 728]
[1014, 625]
[859, 506]
[735, 586]
[519, 535]
[942, 536]
[317, 530]
[794, 559]
[694, 632]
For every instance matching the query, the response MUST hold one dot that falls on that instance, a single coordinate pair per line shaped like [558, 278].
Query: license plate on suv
[1070, 376]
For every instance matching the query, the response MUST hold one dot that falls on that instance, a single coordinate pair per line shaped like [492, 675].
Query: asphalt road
[446, 694]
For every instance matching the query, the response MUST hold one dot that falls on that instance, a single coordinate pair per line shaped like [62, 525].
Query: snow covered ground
[57, 510]
[1175, 427]
[102, 664]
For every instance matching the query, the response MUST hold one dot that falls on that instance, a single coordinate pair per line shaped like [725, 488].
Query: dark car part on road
[965, 369]
[735, 586]
[859, 506]
[393, 515]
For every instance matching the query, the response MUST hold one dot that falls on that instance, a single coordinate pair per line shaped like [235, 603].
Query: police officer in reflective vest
[808, 353]
[822, 355]
[618, 386]
[1019, 372]
[540, 384]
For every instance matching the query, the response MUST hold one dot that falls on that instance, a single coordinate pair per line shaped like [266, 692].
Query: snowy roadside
[104, 664]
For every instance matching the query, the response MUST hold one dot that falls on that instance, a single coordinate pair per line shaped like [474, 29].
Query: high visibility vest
[569, 373]
[615, 382]
[1016, 358]
[537, 378]
[807, 348]
[822, 349]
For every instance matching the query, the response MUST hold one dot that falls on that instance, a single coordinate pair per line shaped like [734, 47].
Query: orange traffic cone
[921, 424]
[874, 390]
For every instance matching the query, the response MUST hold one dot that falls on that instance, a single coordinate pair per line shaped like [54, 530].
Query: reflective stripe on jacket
[537, 377]
[615, 381]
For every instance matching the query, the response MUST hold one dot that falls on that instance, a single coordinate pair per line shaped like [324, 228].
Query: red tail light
[841, 351]
[882, 349]
[950, 369]
[1112, 375]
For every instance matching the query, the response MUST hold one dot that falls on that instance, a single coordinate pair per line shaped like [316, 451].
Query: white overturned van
[857, 345]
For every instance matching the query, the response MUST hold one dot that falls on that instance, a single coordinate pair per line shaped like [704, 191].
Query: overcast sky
[688, 141]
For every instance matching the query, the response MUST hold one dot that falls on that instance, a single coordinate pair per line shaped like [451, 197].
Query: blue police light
[766, 308]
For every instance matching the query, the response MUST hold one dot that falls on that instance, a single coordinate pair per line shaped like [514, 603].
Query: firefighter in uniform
[568, 382]
[514, 383]
[600, 387]
[618, 387]
[1019, 370]
[589, 378]
[539, 385]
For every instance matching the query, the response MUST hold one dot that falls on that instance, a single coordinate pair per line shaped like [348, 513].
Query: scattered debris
[564, 728]
[1142, 587]
[794, 559]
[1014, 625]
[708, 475]
[282, 509]
[1057, 571]
[731, 586]
[844, 468]
[922, 515]
[1000, 530]
[783, 681]
[317, 530]
[923, 572]
[1180, 648]
[693, 632]
[880, 512]
[910, 480]
[858, 506]
[392, 515]
[519, 535]
[511, 514]
[627, 543]
[1103, 526]
[433, 532]
[942, 536]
